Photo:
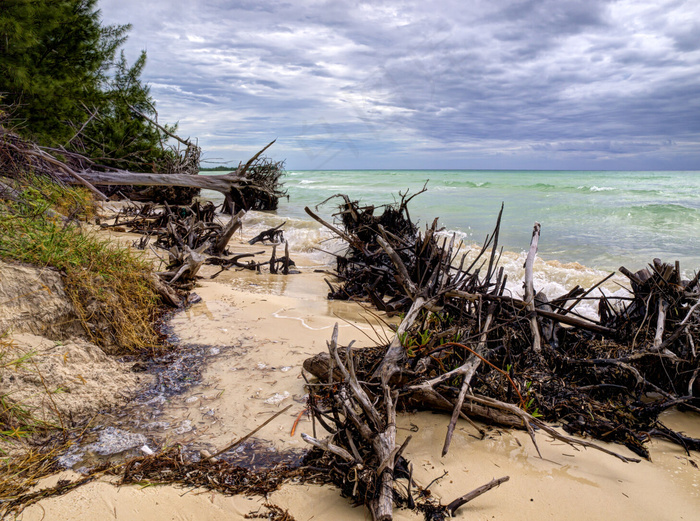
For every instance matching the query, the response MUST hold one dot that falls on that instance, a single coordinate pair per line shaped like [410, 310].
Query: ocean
[592, 222]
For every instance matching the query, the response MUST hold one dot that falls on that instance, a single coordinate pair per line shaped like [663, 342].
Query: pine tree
[64, 87]
[118, 136]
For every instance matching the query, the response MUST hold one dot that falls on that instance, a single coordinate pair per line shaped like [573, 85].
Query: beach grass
[16, 420]
[107, 283]
[109, 287]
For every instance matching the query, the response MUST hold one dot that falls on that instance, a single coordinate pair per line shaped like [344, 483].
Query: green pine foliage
[61, 72]
[117, 136]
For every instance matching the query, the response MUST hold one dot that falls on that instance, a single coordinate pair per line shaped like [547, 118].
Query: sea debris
[468, 348]
[114, 441]
[192, 236]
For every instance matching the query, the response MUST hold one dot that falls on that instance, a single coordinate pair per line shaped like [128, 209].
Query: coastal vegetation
[107, 283]
[71, 107]
[68, 98]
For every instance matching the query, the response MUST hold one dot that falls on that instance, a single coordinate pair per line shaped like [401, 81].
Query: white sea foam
[552, 277]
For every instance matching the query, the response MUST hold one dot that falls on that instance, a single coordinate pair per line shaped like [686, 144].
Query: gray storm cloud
[492, 84]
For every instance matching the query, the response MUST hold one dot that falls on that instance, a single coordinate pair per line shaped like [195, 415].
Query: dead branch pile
[365, 270]
[468, 348]
[193, 236]
[263, 189]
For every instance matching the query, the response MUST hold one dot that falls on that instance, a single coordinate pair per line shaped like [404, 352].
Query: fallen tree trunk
[242, 186]
[220, 183]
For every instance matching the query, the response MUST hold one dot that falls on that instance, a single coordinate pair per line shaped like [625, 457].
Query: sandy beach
[259, 328]
[506, 193]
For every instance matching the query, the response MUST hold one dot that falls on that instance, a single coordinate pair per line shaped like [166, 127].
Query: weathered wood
[421, 398]
[236, 443]
[577, 322]
[351, 240]
[466, 498]
[457, 321]
[402, 275]
[268, 235]
[528, 285]
[233, 225]
[273, 260]
[396, 353]
[376, 426]
[286, 261]
[326, 445]
[468, 370]
[225, 183]
[530, 420]
[682, 327]
[191, 261]
[660, 324]
[220, 183]
[167, 294]
[78, 178]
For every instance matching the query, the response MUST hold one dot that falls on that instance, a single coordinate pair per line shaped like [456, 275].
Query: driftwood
[274, 235]
[232, 227]
[248, 190]
[466, 347]
[186, 263]
[529, 290]
[362, 447]
[192, 236]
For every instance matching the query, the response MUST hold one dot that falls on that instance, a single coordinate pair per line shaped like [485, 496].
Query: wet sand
[261, 327]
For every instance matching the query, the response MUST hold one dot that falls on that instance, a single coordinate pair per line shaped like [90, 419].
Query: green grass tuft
[107, 283]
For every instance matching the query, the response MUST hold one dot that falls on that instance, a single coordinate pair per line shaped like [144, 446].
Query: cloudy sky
[519, 84]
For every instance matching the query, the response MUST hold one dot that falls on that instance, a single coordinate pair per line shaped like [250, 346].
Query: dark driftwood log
[269, 235]
[424, 399]
[225, 184]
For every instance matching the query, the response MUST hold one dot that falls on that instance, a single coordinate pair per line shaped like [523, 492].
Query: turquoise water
[599, 219]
